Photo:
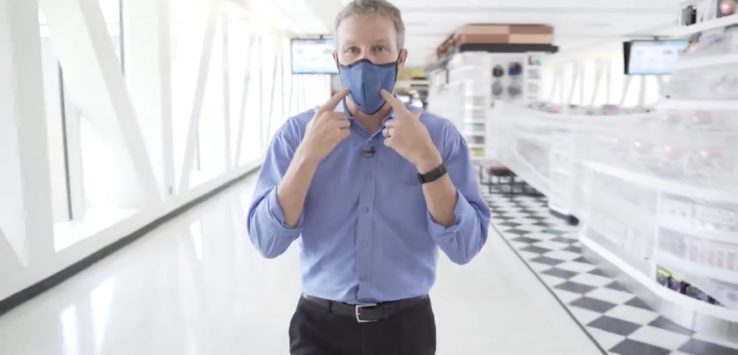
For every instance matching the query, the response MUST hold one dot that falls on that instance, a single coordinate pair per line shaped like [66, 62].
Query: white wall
[180, 103]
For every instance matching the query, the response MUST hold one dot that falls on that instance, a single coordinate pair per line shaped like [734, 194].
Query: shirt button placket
[363, 230]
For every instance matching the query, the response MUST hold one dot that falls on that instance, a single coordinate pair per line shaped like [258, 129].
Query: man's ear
[335, 58]
[402, 59]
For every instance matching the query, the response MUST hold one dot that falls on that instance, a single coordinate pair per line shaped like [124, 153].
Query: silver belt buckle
[360, 306]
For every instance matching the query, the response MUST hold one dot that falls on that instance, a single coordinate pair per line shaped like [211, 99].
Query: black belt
[370, 312]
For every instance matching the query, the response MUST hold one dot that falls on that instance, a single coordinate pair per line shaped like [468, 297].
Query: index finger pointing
[331, 104]
[393, 101]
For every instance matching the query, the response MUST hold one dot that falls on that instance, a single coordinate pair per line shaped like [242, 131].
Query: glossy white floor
[196, 286]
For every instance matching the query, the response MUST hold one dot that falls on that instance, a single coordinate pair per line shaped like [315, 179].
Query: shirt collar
[342, 108]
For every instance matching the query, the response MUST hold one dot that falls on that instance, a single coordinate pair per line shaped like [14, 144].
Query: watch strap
[432, 175]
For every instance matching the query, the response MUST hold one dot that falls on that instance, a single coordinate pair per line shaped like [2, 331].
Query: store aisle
[196, 286]
[618, 320]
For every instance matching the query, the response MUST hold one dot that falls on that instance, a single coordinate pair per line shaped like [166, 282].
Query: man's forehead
[378, 40]
[364, 22]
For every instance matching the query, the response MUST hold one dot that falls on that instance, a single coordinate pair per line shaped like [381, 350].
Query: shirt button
[365, 210]
[368, 175]
[364, 244]
[362, 278]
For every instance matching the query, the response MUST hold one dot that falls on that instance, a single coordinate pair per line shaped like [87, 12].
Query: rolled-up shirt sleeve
[266, 222]
[466, 237]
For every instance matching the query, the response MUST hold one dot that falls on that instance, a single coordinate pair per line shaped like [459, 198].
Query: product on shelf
[703, 253]
[534, 74]
[666, 279]
[514, 90]
[714, 43]
[726, 8]
[515, 69]
[716, 83]
[498, 89]
[604, 110]
[701, 120]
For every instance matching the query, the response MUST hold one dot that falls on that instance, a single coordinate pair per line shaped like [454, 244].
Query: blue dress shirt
[365, 234]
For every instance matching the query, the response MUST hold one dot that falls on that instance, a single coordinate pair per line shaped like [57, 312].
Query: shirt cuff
[461, 210]
[277, 215]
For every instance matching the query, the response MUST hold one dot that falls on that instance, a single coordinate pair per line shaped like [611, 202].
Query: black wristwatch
[432, 175]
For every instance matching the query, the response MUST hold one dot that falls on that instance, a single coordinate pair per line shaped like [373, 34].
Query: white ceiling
[578, 23]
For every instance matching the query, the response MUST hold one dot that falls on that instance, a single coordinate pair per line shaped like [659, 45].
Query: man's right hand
[325, 130]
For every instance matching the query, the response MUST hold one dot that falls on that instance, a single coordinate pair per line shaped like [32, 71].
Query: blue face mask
[365, 80]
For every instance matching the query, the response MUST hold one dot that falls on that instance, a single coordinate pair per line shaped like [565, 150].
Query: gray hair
[375, 7]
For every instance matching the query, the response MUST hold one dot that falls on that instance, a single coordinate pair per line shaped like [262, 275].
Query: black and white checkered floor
[614, 318]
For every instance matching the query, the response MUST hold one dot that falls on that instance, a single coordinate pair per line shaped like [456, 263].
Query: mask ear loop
[397, 67]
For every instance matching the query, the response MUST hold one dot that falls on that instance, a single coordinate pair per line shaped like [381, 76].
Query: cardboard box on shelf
[497, 34]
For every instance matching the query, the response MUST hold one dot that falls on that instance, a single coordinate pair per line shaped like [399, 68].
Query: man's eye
[352, 50]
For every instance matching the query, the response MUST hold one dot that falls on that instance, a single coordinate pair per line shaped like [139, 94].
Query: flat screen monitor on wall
[657, 57]
[312, 56]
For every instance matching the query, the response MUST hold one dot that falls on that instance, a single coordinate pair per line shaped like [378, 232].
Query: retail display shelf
[475, 134]
[664, 185]
[674, 262]
[526, 171]
[697, 63]
[562, 171]
[723, 105]
[686, 31]
[539, 139]
[663, 294]
[476, 107]
[626, 210]
[702, 233]
[475, 120]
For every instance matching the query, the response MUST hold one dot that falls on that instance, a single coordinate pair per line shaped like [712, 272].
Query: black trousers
[314, 330]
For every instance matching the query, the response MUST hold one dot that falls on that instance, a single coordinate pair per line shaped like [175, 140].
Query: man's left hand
[409, 137]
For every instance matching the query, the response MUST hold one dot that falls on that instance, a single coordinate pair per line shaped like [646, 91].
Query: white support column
[626, 88]
[574, 80]
[226, 93]
[291, 94]
[599, 72]
[286, 112]
[554, 86]
[661, 85]
[582, 77]
[244, 98]
[562, 83]
[202, 77]
[275, 71]
[303, 91]
[642, 91]
[26, 219]
[260, 58]
[74, 156]
[149, 77]
[93, 75]
[608, 82]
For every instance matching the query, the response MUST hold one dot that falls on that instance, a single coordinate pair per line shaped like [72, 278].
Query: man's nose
[365, 54]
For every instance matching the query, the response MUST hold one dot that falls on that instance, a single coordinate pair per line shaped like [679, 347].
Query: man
[371, 190]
